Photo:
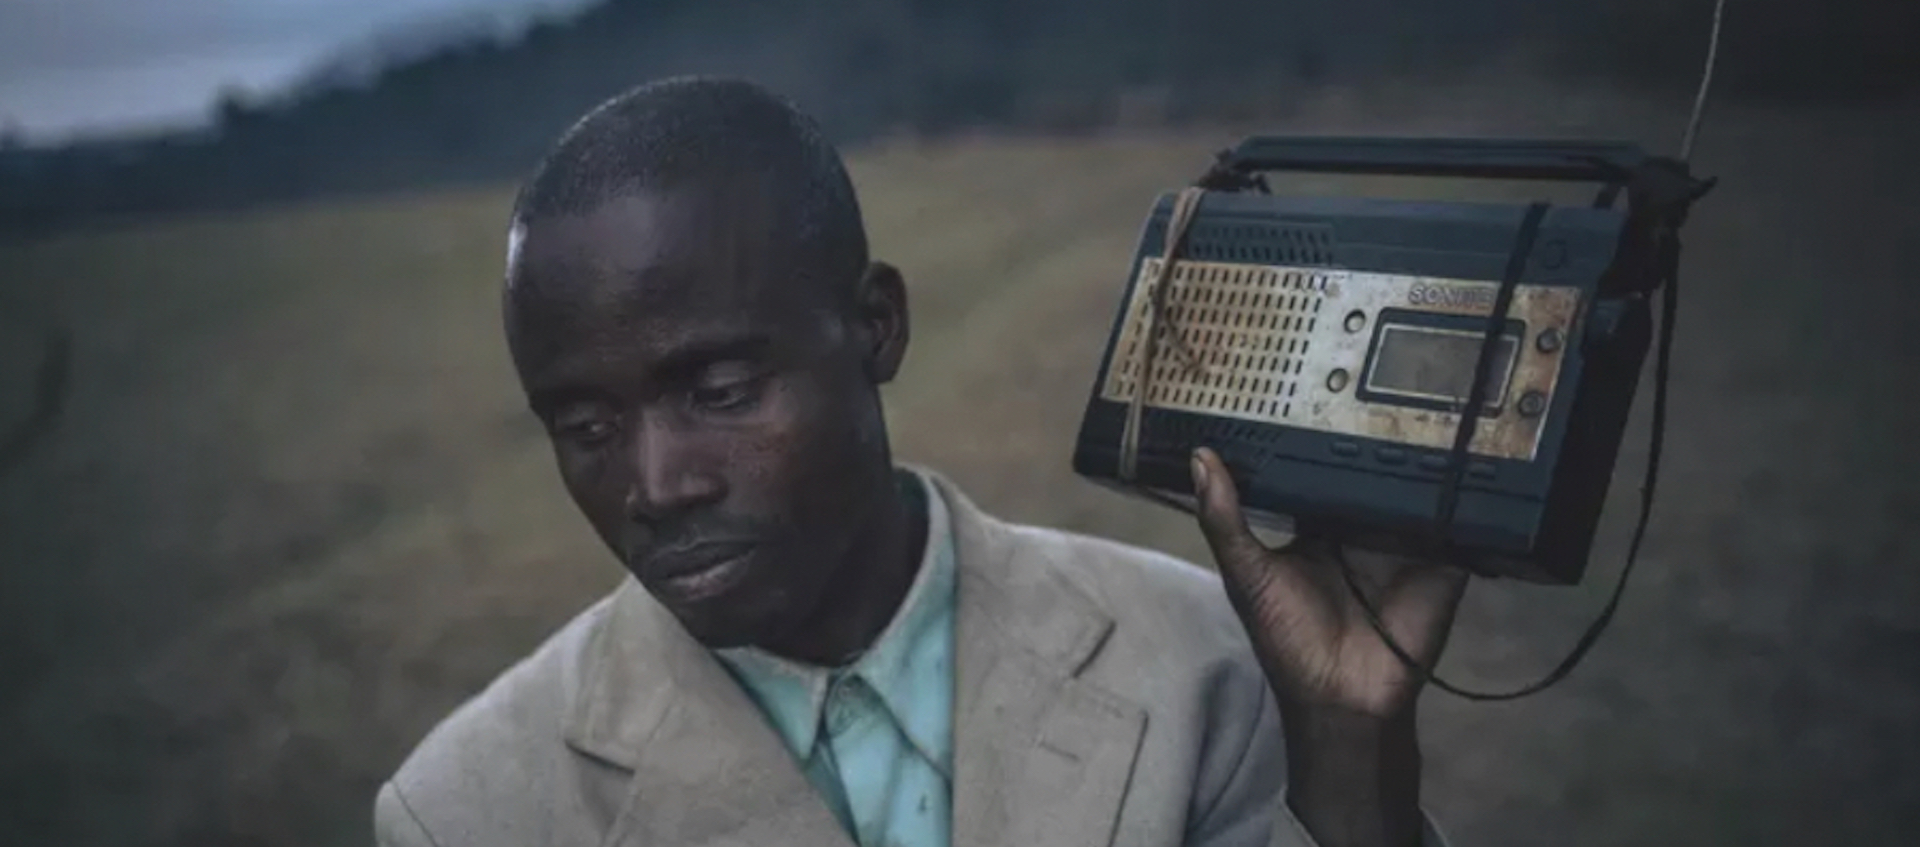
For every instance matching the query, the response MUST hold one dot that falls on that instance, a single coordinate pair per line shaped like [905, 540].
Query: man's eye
[585, 429]
[729, 396]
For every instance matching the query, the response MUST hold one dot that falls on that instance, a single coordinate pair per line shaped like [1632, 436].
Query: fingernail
[1199, 471]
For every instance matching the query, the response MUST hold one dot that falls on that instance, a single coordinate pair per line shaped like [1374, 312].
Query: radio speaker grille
[1248, 326]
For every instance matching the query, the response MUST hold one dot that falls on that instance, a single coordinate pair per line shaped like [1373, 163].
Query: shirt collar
[911, 660]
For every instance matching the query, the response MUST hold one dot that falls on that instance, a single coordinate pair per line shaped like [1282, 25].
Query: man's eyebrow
[678, 363]
[686, 358]
[548, 399]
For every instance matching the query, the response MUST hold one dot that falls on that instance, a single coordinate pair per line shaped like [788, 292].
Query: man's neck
[870, 585]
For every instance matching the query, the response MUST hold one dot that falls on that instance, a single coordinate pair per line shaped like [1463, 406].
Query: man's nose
[673, 471]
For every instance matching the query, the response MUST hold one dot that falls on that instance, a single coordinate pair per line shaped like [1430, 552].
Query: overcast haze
[88, 66]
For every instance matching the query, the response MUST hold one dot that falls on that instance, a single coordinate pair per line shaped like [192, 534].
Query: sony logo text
[1476, 298]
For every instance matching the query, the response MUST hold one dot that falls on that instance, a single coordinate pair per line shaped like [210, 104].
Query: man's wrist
[1354, 778]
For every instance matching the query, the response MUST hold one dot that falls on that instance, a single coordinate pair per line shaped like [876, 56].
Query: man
[819, 646]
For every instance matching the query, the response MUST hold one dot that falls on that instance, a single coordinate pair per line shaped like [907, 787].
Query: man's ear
[882, 307]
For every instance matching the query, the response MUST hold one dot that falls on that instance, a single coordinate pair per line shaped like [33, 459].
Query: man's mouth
[700, 571]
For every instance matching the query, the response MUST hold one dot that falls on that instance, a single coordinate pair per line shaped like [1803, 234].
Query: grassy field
[294, 511]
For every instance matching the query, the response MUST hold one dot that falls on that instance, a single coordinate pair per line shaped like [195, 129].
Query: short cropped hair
[688, 132]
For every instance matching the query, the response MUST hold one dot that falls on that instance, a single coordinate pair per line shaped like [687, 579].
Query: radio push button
[1437, 462]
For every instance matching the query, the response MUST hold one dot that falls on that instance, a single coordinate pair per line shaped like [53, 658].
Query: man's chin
[716, 635]
[715, 626]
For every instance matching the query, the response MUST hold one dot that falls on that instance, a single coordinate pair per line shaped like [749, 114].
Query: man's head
[692, 314]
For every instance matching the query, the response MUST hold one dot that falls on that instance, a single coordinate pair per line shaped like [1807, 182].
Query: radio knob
[1532, 404]
[1550, 340]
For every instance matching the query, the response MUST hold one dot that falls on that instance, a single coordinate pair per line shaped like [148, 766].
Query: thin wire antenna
[1706, 81]
[1661, 370]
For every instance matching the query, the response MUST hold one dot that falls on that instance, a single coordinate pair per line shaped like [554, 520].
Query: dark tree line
[483, 110]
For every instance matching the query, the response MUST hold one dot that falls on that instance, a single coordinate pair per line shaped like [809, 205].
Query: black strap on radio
[1665, 195]
[1482, 372]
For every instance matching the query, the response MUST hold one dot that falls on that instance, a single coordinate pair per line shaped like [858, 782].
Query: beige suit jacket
[1106, 697]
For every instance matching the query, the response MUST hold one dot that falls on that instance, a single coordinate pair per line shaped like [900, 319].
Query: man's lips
[706, 583]
[695, 563]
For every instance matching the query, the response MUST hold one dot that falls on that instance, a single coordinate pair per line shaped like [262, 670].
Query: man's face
[713, 410]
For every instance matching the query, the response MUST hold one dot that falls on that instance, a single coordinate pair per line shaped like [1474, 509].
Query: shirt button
[840, 708]
[849, 701]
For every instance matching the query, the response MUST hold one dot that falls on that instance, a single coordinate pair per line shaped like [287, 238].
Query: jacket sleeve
[395, 824]
[1250, 809]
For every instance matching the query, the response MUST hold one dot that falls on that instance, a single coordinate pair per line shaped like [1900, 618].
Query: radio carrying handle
[1660, 190]
[1483, 158]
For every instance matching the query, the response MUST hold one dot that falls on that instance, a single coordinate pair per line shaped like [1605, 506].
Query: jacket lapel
[1041, 757]
[713, 773]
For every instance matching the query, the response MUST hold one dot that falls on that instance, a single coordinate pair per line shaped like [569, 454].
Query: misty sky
[91, 65]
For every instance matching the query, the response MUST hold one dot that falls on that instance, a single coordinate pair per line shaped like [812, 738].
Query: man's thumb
[1235, 549]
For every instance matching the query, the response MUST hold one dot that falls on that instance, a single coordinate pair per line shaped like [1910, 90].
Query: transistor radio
[1331, 349]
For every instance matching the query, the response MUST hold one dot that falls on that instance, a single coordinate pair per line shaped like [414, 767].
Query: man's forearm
[1354, 779]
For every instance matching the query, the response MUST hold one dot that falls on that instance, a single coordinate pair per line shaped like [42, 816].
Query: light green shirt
[876, 737]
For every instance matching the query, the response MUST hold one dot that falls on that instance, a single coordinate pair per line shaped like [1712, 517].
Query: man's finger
[1432, 593]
